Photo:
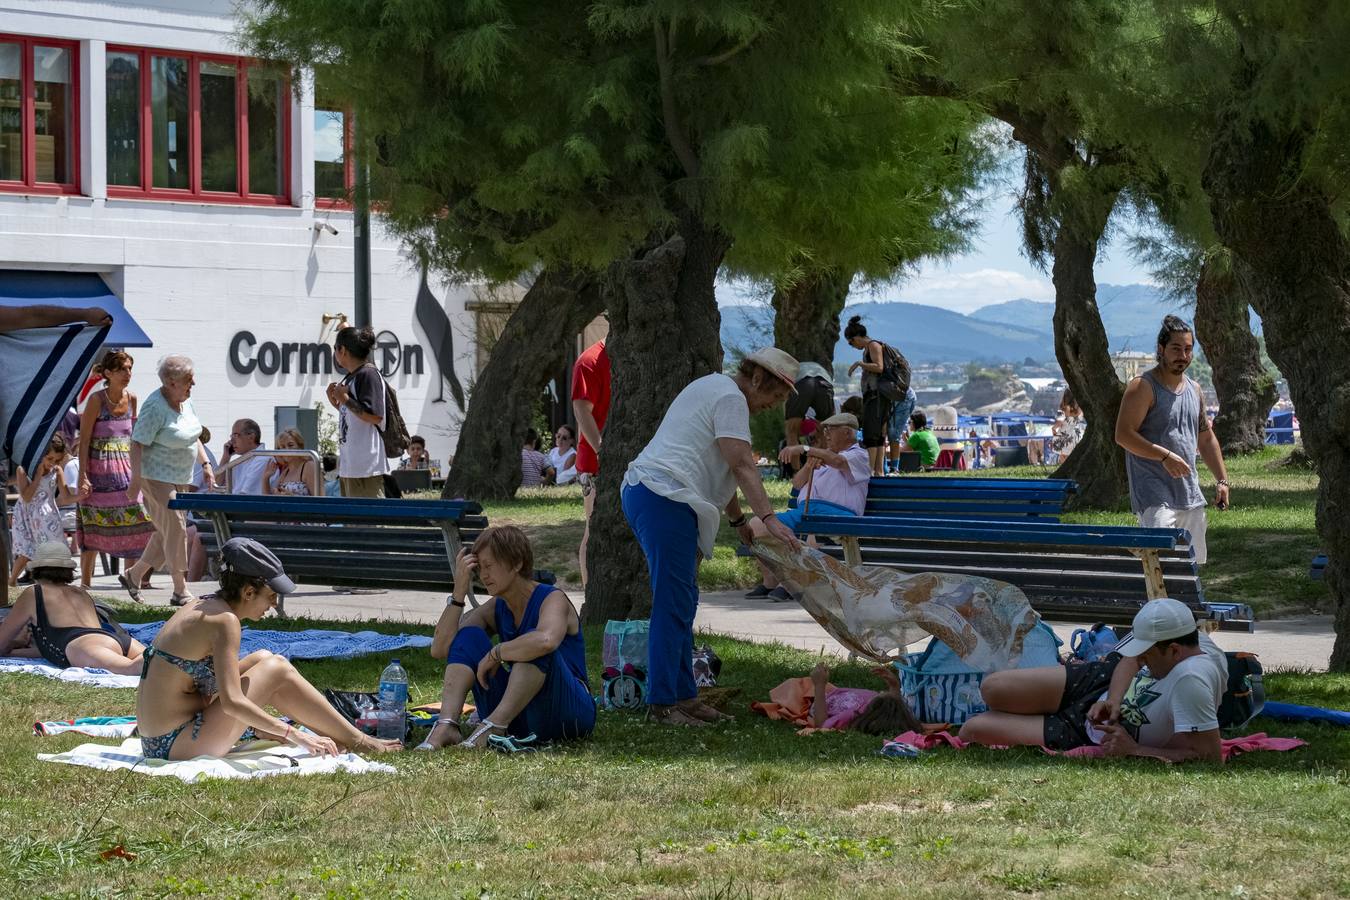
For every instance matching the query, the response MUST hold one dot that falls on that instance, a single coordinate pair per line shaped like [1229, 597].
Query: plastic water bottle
[393, 702]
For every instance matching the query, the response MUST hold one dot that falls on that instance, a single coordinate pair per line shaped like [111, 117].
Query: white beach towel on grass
[261, 763]
[20, 665]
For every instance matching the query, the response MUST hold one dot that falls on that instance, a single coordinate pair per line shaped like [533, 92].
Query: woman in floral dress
[109, 521]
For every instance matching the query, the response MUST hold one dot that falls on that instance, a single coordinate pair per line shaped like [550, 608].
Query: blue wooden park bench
[349, 542]
[1083, 573]
[936, 496]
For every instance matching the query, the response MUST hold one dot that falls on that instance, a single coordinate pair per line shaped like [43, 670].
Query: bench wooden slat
[985, 532]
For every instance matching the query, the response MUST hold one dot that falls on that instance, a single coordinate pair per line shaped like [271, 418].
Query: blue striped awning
[75, 290]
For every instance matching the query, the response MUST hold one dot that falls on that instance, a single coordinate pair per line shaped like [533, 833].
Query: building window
[334, 178]
[205, 127]
[38, 123]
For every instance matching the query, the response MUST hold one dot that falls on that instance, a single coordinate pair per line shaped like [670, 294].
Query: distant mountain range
[1002, 332]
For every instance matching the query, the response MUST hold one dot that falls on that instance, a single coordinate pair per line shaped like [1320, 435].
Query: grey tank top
[1174, 423]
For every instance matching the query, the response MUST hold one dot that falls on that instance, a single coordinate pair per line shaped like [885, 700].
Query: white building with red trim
[206, 193]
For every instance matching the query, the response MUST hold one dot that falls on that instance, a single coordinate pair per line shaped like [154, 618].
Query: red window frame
[242, 196]
[348, 169]
[28, 117]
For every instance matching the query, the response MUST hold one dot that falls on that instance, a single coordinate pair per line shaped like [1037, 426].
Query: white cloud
[962, 292]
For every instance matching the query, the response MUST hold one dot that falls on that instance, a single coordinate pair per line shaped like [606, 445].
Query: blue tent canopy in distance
[74, 290]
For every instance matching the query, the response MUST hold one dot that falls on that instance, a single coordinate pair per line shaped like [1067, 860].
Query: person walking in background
[876, 408]
[896, 428]
[109, 521]
[359, 400]
[590, 404]
[812, 392]
[164, 441]
[37, 515]
[1162, 425]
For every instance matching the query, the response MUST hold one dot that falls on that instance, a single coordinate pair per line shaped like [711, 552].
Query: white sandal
[427, 745]
[484, 726]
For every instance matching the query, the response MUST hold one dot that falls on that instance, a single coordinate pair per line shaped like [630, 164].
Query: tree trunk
[1296, 262]
[1097, 463]
[1246, 390]
[531, 349]
[806, 316]
[663, 334]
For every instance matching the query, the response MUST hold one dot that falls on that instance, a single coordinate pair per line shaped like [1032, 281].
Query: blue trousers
[668, 534]
[562, 710]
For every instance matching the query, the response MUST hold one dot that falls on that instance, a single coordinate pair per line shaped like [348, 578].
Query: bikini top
[201, 671]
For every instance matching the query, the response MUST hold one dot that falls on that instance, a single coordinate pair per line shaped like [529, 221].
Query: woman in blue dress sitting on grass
[530, 686]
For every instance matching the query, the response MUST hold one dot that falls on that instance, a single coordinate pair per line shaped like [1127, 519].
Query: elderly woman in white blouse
[164, 444]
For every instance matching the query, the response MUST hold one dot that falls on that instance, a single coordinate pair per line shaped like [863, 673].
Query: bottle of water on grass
[393, 702]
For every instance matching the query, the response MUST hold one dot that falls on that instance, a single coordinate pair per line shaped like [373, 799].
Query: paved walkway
[1301, 642]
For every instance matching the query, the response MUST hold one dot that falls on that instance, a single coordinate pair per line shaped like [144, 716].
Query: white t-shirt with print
[1187, 700]
[360, 444]
[683, 462]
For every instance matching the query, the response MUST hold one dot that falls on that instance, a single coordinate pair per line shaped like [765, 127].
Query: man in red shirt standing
[590, 403]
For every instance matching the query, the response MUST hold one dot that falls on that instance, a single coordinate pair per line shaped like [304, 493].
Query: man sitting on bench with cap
[838, 474]
[1156, 695]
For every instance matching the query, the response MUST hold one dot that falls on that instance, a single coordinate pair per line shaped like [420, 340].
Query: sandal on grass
[428, 745]
[484, 728]
[700, 710]
[506, 743]
[675, 715]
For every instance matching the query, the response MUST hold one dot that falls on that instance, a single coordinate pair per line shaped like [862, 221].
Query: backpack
[395, 431]
[893, 381]
[1245, 695]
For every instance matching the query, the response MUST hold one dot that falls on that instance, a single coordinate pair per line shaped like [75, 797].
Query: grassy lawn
[744, 810]
[1259, 549]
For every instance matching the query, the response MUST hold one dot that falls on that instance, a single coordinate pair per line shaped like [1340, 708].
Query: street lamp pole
[361, 233]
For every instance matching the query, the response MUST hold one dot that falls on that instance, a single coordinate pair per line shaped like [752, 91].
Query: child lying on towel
[818, 705]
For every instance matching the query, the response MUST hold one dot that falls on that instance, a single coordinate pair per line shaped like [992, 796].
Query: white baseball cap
[777, 362]
[1157, 620]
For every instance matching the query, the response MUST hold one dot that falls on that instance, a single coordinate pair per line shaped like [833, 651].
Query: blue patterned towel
[313, 644]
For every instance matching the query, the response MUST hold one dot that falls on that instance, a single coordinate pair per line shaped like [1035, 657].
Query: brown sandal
[702, 711]
[675, 715]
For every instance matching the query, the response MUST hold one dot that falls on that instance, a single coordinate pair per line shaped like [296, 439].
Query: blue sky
[992, 272]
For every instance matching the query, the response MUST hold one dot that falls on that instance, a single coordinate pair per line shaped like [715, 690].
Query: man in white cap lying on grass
[1156, 695]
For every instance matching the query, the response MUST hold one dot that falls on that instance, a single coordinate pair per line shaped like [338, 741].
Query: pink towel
[1231, 747]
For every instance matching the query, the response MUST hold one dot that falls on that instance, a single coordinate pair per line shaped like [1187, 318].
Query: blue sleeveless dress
[564, 708]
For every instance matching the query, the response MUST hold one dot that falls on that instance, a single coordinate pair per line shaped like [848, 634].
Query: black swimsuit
[52, 641]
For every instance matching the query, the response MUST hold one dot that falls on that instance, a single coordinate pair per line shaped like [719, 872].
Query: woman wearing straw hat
[67, 629]
[674, 493]
[832, 482]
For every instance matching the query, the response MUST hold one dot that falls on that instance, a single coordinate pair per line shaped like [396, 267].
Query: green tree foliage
[515, 134]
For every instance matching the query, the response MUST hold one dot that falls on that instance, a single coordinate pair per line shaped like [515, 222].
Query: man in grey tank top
[1162, 425]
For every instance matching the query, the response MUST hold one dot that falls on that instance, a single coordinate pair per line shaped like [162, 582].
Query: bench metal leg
[1153, 574]
[852, 550]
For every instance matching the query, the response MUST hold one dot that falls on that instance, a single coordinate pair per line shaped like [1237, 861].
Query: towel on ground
[20, 665]
[1293, 712]
[94, 726]
[272, 759]
[311, 644]
[791, 702]
[1231, 747]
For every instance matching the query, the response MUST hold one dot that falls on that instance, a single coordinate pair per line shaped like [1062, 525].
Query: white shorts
[1193, 520]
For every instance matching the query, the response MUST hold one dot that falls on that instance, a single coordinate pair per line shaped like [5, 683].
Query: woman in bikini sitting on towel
[197, 697]
[66, 628]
